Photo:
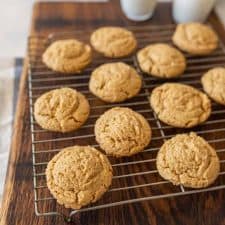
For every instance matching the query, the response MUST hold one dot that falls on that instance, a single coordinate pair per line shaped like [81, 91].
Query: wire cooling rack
[135, 178]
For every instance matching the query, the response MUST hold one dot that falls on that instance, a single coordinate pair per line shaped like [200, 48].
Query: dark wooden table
[18, 206]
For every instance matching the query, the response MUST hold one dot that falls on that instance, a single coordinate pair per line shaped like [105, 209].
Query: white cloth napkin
[6, 119]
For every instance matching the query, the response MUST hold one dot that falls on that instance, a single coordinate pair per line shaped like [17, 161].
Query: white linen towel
[6, 119]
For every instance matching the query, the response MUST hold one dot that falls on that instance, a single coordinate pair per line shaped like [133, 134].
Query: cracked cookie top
[122, 132]
[67, 56]
[161, 60]
[180, 105]
[213, 83]
[61, 110]
[195, 38]
[189, 160]
[78, 175]
[113, 42]
[115, 82]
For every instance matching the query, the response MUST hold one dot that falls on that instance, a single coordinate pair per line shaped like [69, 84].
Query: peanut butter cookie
[189, 160]
[122, 132]
[78, 175]
[161, 60]
[61, 110]
[213, 83]
[67, 56]
[113, 42]
[195, 38]
[115, 82]
[180, 105]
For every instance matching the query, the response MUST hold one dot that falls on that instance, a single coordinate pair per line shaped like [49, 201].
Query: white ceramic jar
[192, 10]
[138, 10]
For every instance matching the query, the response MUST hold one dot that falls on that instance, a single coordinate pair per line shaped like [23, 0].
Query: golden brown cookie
[78, 175]
[61, 110]
[161, 60]
[180, 105]
[115, 82]
[189, 160]
[195, 38]
[122, 132]
[67, 56]
[213, 83]
[113, 42]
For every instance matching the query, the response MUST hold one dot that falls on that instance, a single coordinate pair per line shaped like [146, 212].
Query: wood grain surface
[18, 202]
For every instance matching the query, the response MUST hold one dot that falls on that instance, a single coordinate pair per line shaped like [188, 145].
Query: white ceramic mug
[138, 10]
[192, 10]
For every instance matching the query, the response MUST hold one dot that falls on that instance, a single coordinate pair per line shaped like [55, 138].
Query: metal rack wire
[135, 178]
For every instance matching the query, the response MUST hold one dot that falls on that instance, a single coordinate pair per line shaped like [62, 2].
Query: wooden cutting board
[18, 206]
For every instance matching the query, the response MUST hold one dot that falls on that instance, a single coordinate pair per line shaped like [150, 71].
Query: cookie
[122, 132]
[180, 105]
[78, 175]
[189, 160]
[61, 110]
[195, 38]
[67, 56]
[115, 82]
[113, 42]
[213, 83]
[161, 60]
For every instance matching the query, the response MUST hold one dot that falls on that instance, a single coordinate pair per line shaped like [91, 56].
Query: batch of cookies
[80, 175]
